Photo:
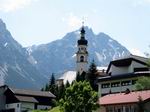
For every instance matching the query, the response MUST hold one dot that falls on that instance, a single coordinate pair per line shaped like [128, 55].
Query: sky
[33, 22]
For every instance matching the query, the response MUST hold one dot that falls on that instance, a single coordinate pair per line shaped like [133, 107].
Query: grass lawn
[55, 109]
[40, 111]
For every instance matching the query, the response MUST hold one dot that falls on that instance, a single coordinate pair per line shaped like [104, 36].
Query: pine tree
[42, 89]
[52, 80]
[61, 91]
[91, 75]
[52, 86]
[80, 77]
[67, 84]
[46, 87]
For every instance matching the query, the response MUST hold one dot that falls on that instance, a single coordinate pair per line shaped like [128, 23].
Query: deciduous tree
[79, 97]
[143, 83]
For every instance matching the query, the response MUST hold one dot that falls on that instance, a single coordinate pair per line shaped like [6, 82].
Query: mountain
[16, 67]
[59, 56]
[31, 67]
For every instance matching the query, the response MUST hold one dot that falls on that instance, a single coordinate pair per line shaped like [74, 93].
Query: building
[82, 53]
[69, 76]
[81, 60]
[20, 100]
[122, 74]
[125, 102]
[101, 71]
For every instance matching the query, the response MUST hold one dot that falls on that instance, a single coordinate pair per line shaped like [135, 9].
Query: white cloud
[136, 52]
[12, 5]
[74, 21]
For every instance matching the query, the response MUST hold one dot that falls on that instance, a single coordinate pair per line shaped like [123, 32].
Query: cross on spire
[82, 23]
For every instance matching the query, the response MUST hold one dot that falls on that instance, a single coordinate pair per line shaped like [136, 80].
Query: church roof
[82, 40]
[69, 75]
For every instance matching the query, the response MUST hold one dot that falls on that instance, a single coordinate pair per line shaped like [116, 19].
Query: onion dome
[82, 40]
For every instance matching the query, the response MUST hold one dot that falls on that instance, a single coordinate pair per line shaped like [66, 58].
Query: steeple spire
[83, 23]
[82, 31]
[82, 53]
[82, 40]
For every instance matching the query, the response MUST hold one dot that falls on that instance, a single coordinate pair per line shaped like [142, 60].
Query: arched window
[82, 59]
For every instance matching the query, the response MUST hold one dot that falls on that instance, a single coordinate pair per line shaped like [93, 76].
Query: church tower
[82, 53]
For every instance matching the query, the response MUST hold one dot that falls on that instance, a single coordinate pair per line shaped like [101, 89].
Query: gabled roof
[24, 92]
[3, 86]
[26, 99]
[126, 61]
[68, 76]
[123, 98]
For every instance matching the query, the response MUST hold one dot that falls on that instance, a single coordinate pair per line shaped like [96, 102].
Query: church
[81, 60]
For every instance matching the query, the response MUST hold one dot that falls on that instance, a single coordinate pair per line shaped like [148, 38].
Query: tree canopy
[143, 83]
[79, 97]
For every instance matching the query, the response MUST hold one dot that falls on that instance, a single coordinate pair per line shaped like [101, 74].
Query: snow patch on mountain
[110, 40]
[99, 56]
[5, 44]
[94, 44]
[59, 55]
[32, 60]
[74, 56]
[104, 56]
[29, 50]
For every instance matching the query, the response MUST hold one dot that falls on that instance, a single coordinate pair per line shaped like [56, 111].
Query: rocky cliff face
[31, 67]
[16, 68]
[59, 56]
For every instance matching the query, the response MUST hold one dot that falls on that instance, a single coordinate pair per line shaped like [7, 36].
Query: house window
[119, 110]
[82, 59]
[141, 69]
[106, 85]
[127, 109]
[115, 84]
[126, 83]
[17, 105]
[109, 109]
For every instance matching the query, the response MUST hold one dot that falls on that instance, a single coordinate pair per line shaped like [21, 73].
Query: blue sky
[42, 21]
